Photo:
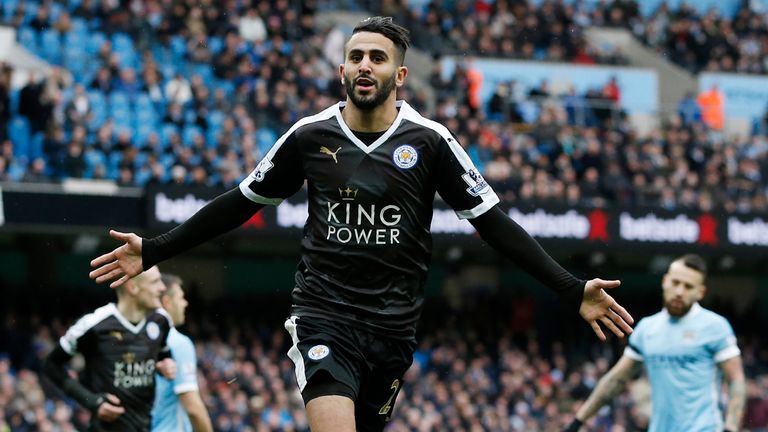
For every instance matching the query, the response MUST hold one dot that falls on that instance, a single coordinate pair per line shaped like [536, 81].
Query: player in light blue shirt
[685, 349]
[178, 406]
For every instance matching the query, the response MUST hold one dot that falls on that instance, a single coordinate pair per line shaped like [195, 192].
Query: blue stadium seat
[119, 99]
[30, 11]
[50, 45]
[93, 158]
[27, 37]
[36, 146]
[18, 131]
[215, 44]
[189, 134]
[95, 40]
[79, 25]
[178, 46]
[9, 7]
[265, 138]
[14, 100]
[55, 10]
[215, 119]
[75, 41]
[166, 132]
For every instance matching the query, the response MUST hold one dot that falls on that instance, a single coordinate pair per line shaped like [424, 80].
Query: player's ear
[702, 291]
[341, 73]
[402, 72]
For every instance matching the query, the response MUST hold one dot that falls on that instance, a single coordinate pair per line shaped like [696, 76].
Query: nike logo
[325, 150]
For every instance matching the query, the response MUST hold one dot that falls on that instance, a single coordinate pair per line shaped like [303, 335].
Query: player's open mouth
[364, 84]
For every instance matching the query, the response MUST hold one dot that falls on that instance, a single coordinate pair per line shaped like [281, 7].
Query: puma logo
[325, 150]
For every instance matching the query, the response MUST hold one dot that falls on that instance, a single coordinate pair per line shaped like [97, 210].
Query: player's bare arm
[733, 372]
[195, 408]
[607, 388]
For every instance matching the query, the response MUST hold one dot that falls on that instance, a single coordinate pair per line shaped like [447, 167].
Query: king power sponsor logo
[750, 233]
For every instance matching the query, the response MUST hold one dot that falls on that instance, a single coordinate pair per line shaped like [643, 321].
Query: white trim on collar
[135, 329]
[402, 105]
[695, 310]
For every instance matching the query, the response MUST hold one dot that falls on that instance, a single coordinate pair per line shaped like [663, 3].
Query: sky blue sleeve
[634, 349]
[723, 343]
[183, 352]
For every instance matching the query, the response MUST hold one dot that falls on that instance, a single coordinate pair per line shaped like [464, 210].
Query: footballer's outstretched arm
[733, 371]
[225, 213]
[594, 304]
[607, 388]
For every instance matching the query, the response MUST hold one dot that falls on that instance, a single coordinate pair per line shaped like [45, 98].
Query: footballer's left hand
[166, 368]
[599, 307]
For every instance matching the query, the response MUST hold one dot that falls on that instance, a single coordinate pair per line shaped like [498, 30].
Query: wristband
[100, 399]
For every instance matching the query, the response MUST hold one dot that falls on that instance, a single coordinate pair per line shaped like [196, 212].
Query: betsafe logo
[678, 228]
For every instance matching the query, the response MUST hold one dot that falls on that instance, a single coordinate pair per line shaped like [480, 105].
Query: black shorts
[333, 358]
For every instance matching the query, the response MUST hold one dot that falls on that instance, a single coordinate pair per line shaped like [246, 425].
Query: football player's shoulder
[314, 123]
[91, 319]
[161, 317]
[439, 131]
[714, 319]
[651, 321]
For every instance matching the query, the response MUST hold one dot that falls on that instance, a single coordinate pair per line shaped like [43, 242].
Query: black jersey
[120, 359]
[367, 244]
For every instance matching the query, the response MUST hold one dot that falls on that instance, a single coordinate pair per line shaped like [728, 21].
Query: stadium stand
[156, 76]
[182, 92]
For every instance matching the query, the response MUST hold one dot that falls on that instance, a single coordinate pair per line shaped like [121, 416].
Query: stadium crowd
[181, 92]
[471, 372]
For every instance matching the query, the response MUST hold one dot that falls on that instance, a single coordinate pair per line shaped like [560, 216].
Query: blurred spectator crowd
[466, 376]
[195, 92]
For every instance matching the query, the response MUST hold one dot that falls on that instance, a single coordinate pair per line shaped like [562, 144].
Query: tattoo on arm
[607, 388]
[736, 399]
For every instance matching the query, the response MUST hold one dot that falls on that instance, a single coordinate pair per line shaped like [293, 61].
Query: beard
[677, 308]
[369, 102]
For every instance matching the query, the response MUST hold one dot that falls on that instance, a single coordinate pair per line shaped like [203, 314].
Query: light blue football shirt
[681, 357]
[168, 415]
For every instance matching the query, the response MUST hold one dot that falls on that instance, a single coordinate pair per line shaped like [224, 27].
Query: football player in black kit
[123, 345]
[372, 166]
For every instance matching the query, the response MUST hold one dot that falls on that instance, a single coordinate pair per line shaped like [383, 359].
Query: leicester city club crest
[318, 352]
[405, 156]
[153, 330]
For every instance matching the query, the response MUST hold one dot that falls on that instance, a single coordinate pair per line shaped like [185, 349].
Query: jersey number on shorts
[388, 406]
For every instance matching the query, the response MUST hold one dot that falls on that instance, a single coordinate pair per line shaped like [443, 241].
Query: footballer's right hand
[110, 409]
[122, 263]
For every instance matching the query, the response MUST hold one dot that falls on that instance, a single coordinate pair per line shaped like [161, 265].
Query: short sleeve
[634, 348]
[76, 338]
[460, 183]
[278, 175]
[183, 351]
[723, 343]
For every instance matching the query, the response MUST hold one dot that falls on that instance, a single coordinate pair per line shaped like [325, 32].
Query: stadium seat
[178, 47]
[95, 40]
[9, 8]
[19, 133]
[265, 138]
[27, 37]
[50, 45]
[189, 134]
[30, 11]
